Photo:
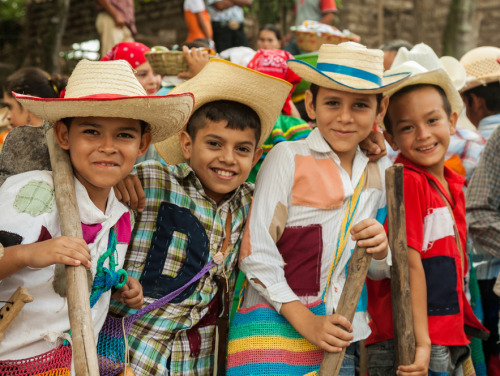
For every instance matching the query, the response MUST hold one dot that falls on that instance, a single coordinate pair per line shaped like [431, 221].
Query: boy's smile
[421, 128]
[221, 157]
[344, 119]
[102, 151]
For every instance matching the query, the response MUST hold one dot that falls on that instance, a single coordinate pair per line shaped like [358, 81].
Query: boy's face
[421, 128]
[344, 119]
[221, 157]
[102, 150]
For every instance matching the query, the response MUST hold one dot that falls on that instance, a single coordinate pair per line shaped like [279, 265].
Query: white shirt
[194, 6]
[48, 313]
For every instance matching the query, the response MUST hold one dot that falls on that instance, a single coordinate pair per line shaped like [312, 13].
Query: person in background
[228, 23]
[29, 81]
[115, 22]
[269, 37]
[197, 21]
[391, 48]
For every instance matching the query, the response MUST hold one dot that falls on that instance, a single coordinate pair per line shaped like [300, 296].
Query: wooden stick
[356, 275]
[402, 317]
[12, 308]
[82, 332]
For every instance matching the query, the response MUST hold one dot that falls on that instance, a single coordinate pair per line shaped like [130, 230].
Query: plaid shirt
[167, 237]
[483, 210]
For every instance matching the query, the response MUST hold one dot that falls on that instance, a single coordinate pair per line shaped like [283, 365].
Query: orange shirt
[194, 29]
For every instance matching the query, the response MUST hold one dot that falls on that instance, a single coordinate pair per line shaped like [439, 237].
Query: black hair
[410, 89]
[490, 93]
[238, 116]
[395, 45]
[272, 28]
[145, 127]
[315, 88]
[36, 82]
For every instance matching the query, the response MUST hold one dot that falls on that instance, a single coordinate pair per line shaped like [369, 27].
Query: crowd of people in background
[238, 186]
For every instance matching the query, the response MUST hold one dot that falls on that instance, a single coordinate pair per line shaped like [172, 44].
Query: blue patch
[441, 279]
[172, 218]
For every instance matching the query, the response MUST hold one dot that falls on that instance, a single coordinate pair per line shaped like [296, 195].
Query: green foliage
[11, 9]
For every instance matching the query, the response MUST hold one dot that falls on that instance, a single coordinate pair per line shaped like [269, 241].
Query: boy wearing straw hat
[102, 124]
[481, 96]
[421, 116]
[304, 202]
[196, 208]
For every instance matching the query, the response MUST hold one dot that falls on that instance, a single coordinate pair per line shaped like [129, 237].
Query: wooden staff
[402, 317]
[356, 275]
[82, 332]
[12, 308]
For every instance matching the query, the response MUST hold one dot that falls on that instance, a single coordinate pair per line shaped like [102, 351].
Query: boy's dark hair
[144, 126]
[272, 28]
[238, 116]
[410, 89]
[36, 82]
[490, 93]
[315, 88]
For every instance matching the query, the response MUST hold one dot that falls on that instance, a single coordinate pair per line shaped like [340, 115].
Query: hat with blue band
[348, 67]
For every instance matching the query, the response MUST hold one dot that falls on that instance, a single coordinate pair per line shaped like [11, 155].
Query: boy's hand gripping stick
[82, 332]
[402, 316]
[356, 275]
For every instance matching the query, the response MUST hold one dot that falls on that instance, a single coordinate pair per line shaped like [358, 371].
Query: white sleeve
[263, 262]
[194, 6]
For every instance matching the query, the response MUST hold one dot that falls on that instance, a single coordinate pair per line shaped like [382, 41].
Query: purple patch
[44, 234]
[123, 229]
[302, 248]
[90, 232]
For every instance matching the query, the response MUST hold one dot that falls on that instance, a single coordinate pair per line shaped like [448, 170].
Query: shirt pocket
[317, 183]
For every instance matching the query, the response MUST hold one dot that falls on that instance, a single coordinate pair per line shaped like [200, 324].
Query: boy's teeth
[224, 173]
[427, 148]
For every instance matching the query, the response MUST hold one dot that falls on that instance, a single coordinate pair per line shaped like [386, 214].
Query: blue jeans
[347, 368]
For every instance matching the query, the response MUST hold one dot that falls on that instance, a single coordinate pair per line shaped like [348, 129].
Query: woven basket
[169, 63]
[310, 41]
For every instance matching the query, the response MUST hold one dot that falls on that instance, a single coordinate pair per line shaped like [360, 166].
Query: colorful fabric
[468, 145]
[273, 63]
[430, 231]
[287, 128]
[133, 52]
[294, 193]
[191, 10]
[179, 231]
[48, 313]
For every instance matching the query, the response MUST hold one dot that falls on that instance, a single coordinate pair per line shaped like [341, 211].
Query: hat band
[349, 71]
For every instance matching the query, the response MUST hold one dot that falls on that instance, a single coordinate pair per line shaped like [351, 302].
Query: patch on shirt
[317, 183]
[8, 239]
[90, 232]
[35, 198]
[438, 224]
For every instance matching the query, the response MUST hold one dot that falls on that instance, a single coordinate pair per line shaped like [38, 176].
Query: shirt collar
[489, 122]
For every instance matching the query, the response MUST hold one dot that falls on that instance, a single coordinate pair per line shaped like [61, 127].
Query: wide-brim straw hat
[348, 67]
[482, 65]
[110, 89]
[427, 68]
[223, 80]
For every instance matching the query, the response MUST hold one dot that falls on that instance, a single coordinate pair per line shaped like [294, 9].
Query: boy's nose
[107, 145]
[423, 132]
[227, 155]
[345, 115]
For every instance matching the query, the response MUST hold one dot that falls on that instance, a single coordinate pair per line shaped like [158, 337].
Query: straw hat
[426, 68]
[482, 66]
[348, 67]
[110, 89]
[223, 80]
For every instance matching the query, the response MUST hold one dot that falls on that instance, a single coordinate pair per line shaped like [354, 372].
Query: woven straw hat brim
[437, 77]
[482, 66]
[343, 82]
[165, 114]
[223, 80]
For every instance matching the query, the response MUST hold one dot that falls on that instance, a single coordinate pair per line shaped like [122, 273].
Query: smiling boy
[104, 130]
[422, 115]
[195, 212]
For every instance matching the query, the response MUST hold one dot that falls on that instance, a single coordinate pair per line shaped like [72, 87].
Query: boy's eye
[213, 143]
[360, 105]
[406, 128]
[433, 120]
[90, 131]
[244, 149]
[126, 135]
[332, 103]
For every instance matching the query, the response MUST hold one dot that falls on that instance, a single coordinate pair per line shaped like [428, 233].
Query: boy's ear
[145, 142]
[309, 105]
[256, 156]
[186, 145]
[382, 109]
[390, 139]
[61, 132]
[453, 123]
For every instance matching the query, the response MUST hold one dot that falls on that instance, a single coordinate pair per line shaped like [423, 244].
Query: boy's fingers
[141, 195]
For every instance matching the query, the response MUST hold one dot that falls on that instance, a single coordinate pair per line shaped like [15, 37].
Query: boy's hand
[196, 59]
[130, 294]
[374, 146]
[62, 250]
[420, 366]
[371, 235]
[130, 192]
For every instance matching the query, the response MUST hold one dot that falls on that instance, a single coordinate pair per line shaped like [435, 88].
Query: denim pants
[347, 368]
